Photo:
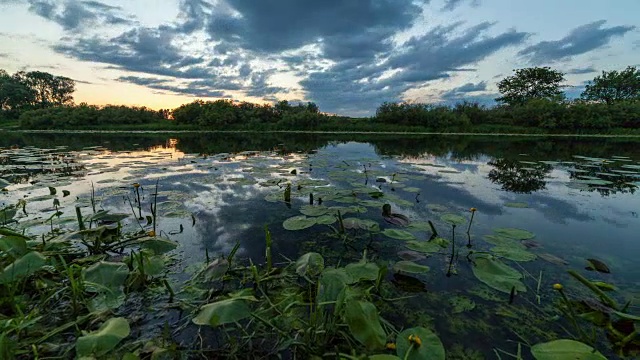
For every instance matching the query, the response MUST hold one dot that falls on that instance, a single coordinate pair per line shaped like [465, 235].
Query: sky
[347, 56]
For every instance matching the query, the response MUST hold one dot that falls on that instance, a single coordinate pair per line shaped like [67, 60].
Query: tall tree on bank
[531, 83]
[33, 90]
[613, 86]
[15, 95]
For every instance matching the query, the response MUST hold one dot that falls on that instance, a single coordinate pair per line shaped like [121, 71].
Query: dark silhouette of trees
[614, 86]
[531, 83]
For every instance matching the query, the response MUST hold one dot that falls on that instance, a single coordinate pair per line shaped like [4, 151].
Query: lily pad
[565, 350]
[24, 266]
[105, 339]
[223, 312]
[519, 205]
[364, 324]
[553, 259]
[500, 240]
[310, 264]
[453, 219]
[410, 267]
[515, 253]
[597, 265]
[496, 274]
[431, 348]
[411, 255]
[311, 210]
[424, 246]
[518, 234]
[398, 234]
[299, 223]
[362, 270]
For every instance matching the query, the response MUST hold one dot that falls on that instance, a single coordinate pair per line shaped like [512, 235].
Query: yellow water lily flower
[136, 185]
[391, 346]
[415, 339]
[473, 209]
[558, 286]
[151, 233]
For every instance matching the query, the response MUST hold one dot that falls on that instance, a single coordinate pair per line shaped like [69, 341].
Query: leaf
[604, 286]
[496, 274]
[453, 219]
[410, 267]
[105, 339]
[22, 267]
[514, 233]
[518, 205]
[364, 324]
[363, 224]
[331, 283]
[159, 245]
[362, 271]
[553, 259]
[431, 348]
[7, 214]
[597, 265]
[461, 304]
[565, 350]
[298, 223]
[110, 276]
[515, 253]
[13, 245]
[65, 193]
[398, 234]
[311, 210]
[326, 219]
[310, 264]
[52, 190]
[423, 246]
[223, 312]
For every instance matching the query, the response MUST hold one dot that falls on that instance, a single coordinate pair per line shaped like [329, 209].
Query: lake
[540, 206]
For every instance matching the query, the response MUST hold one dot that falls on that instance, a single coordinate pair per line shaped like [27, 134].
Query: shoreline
[80, 131]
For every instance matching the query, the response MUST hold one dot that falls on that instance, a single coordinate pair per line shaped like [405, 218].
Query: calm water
[578, 196]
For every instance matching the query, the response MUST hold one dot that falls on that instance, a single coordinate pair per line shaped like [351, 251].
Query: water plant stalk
[604, 297]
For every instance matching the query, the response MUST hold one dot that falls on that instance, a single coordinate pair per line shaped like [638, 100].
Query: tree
[50, 90]
[613, 86]
[531, 83]
[14, 95]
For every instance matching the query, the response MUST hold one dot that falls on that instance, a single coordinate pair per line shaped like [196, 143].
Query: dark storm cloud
[75, 14]
[451, 5]
[165, 85]
[578, 71]
[352, 86]
[580, 40]
[471, 87]
[336, 25]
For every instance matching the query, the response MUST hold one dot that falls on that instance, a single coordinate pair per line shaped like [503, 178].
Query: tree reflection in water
[519, 177]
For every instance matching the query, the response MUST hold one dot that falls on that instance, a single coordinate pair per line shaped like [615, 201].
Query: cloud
[352, 85]
[580, 40]
[341, 28]
[451, 5]
[74, 14]
[585, 70]
[166, 85]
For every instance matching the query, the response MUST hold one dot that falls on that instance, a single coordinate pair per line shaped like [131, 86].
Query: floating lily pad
[553, 259]
[597, 265]
[499, 240]
[223, 312]
[299, 223]
[431, 348]
[593, 182]
[453, 219]
[362, 271]
[461, 304]
[410, 267]
[496, 274]
[326, 219]
[515, 253]
[518, 205]
[513, 233]
[565, 350]
[105, 339]
[411, 255]
[311, 210]
[423, 246]
[398, 234]
[412, 189]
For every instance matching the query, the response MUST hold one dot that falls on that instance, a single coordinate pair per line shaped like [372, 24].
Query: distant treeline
[532, 100]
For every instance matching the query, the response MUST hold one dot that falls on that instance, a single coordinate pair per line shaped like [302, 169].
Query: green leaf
[310, 264]
[7, 214]
[500, 240]
[423, 246]
[410, 267]
[364, 324]
[519, 205]
[513, 233]
[362, 271]
[453, 219]
[496, 274]
[159, 245]
[52, 190]
[565, 350]
[22, 267]
[311, 210]
[326, 219]
[299, 223]
[431, 348]
[398, 234]
[331, 283]
[223, 312]
[105, 339]
[110, 275]
[515, 253]
[13, 245]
